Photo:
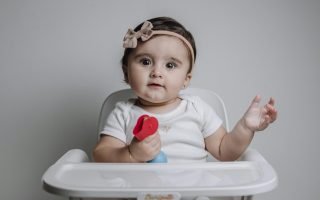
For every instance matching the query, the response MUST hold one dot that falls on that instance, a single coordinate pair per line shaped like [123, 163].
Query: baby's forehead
[165, 45]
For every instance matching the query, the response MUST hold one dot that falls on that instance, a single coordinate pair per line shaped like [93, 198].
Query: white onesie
[182, 130]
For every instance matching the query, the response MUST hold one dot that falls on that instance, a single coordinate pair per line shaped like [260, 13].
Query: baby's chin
[154, 98]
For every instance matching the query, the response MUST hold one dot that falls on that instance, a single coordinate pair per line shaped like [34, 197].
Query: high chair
[74, 176]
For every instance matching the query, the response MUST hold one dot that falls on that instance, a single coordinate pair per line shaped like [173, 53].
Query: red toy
[145, 126]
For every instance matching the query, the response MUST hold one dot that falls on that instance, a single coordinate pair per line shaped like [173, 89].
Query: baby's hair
[167, 24]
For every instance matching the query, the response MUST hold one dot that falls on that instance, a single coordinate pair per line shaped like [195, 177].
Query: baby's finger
[272, 112]
[265, 122]
[264, 109]
[154, 145]
[271, 101]
[152, 137]
[270, 108]
[256, 100]
[157, 146]
[274, 116]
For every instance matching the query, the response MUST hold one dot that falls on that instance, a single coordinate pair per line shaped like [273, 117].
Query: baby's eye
[171, 65]
[145, 61]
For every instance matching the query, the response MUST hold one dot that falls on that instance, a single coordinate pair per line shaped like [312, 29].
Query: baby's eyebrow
[139, 55]
[176, 60]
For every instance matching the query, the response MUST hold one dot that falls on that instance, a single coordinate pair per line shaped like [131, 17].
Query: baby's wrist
[131, 157]
[244, 126]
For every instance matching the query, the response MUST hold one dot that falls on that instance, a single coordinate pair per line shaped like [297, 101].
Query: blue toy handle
[160, 158]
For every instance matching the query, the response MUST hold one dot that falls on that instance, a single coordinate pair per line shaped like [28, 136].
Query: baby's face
[158, 69]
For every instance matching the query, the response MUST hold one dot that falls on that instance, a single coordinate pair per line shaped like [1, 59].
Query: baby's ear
[187, 80]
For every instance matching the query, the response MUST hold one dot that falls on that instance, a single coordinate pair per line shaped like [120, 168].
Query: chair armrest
[73, 156]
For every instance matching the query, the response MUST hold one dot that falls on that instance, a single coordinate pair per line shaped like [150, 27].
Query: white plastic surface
[77, 178]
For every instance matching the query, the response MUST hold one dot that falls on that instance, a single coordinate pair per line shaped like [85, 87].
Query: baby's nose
[156, 72]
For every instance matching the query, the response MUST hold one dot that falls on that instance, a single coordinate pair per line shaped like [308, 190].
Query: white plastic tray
[73, 176]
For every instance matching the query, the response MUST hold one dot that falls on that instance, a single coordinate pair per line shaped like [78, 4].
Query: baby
[157, 64]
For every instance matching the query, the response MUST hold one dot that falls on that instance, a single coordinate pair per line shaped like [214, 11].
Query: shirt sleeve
[115, 123]
[211, 122]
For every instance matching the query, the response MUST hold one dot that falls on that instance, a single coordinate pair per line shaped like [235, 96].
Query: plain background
[60, 59]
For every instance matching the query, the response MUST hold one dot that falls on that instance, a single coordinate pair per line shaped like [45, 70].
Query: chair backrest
[207, 95]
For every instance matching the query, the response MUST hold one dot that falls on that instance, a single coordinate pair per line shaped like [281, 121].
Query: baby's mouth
[155, 85]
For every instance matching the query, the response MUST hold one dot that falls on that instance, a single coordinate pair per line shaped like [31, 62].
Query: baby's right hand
[146, 149]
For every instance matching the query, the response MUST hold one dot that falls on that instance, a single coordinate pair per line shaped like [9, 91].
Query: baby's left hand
[257, 118]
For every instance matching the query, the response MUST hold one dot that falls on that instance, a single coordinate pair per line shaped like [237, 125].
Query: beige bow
[130, 40]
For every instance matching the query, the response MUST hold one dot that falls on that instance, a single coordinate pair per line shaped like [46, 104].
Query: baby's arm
[227, 147]
[111, 149]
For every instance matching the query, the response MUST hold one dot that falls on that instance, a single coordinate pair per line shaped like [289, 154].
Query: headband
[130, 40]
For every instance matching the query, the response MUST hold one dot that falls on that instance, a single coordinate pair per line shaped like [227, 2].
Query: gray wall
[59, 60]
